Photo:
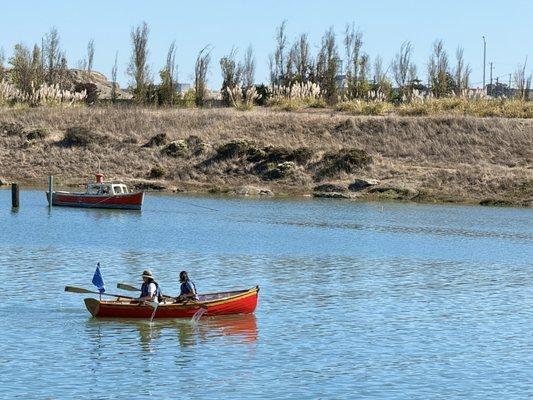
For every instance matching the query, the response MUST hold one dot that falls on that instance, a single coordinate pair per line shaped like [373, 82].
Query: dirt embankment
[330, 154]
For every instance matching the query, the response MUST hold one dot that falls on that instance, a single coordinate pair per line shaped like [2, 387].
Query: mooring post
[50, 190]
[14, 195]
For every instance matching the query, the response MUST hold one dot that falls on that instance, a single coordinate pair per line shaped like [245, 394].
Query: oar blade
[125, 286]
[74, 289]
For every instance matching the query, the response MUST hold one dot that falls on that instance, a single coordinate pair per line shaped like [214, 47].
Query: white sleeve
[151, 289]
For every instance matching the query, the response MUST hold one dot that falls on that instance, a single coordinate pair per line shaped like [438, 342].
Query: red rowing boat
[100, 194]
[223, 303]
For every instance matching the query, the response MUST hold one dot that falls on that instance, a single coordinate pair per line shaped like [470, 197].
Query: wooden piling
[50, 190]
[14, 195]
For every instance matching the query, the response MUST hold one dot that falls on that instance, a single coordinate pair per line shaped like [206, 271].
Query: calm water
[358, 300]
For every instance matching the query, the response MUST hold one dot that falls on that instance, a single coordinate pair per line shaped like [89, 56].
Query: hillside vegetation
[330, 154]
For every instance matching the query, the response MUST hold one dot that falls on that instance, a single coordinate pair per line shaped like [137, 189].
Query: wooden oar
[73, 289]
[125, 286]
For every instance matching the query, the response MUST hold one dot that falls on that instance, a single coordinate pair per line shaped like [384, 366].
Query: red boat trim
[130, 201]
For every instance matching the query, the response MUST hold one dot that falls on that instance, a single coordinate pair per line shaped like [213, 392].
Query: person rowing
[187, 288]
[150, 289]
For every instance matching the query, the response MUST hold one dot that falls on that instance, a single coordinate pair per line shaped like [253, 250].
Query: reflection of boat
[100, 194]
[223, 303]
[244, 326]
[235, 328]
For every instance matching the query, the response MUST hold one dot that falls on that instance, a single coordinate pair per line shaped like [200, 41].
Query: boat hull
[244, 302]
[130, 201]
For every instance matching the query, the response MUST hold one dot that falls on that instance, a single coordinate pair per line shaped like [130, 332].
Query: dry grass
[469, 107]
[455, 106]
[461, 157]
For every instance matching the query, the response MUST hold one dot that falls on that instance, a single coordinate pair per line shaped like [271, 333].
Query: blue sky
[507, 26]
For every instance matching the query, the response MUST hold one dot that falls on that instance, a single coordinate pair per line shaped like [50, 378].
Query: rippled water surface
[358, 300]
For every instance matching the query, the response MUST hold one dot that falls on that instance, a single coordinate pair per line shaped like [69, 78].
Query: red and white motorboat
[100, 194]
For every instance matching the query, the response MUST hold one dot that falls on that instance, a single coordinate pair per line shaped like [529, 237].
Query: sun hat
[147, 274]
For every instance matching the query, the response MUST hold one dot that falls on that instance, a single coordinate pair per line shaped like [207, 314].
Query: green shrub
[346, 160]
[187, 99]
[317, 103]
[90, 89]
[79, 136]
[365, 107]
[263, 94]
[11, 129]
[37, 134]
[177, 148]
[235, 148]
[156, 172]
[195, 145]
[158, 140]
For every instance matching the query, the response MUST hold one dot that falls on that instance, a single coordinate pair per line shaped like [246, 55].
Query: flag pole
[98, 263]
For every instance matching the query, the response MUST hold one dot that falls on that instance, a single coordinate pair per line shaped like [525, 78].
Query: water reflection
[237, 328]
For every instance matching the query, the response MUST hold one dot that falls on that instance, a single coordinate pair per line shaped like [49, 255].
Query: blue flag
[98, 281]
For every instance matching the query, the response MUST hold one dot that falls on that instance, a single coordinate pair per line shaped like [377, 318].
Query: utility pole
[490, 78]
[484, 59]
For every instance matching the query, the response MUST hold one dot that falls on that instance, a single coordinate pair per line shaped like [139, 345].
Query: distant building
[502, 90]
[183, 87]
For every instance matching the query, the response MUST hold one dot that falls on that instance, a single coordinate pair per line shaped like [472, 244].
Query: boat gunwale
[84, 194]
[209, 303]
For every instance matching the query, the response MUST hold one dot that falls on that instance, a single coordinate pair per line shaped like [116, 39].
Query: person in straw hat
[150, 289]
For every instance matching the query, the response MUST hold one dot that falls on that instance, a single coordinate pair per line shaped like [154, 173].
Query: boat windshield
[120, 189]
[93, 189]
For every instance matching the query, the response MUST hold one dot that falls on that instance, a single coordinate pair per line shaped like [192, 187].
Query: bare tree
[326, 66]
[302, 59]
[62, 73]
[114, 85]
[522, 82]
[438, 70]
[90, 55]
[382, 83]
[231, 74]
[353, 42]
[248, 69]
[82, 65]
[52, 56]
[37, 67]
[379, 75]
[403, 69]
[290, 67]
[200, 75]
[169, 77]
[461, 72]
[279, 62]
[2, 60]
[138, 68]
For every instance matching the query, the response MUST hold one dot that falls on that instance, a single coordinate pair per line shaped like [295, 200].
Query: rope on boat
[101, 201]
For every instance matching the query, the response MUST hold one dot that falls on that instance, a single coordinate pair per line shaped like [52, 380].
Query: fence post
[50, 190]
[14, 195]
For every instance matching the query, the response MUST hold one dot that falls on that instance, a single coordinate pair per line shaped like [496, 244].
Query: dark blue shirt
[188, 287]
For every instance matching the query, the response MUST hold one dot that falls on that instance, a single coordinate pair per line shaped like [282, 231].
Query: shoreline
[236, 193]
[445, 159]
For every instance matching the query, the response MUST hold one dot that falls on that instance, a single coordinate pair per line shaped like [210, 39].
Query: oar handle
[74, 289]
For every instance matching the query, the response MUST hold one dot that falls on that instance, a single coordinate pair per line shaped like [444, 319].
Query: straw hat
[147, 274]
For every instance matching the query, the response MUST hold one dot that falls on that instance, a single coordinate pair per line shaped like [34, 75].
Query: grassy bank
[432, 158]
